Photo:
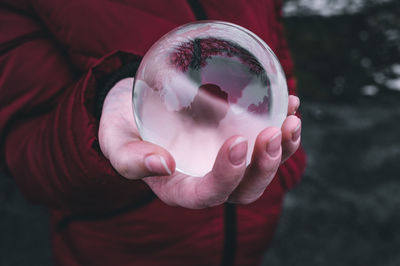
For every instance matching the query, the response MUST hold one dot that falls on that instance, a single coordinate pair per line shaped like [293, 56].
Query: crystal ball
[202, 83]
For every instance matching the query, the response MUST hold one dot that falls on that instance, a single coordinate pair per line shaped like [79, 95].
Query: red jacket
[54, 55]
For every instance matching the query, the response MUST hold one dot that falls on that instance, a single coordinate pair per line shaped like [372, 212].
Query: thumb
[137, 159]
[120, 142]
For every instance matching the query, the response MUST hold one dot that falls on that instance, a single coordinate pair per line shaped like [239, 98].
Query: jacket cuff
[126, 71]
[63, 166]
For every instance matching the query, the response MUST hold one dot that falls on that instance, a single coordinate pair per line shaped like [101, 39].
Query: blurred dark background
[346, 211]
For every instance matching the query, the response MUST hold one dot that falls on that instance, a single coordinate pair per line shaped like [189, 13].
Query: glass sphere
[203, 83]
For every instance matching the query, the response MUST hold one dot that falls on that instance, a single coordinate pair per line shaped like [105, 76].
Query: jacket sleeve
[48, 130]
[292, 170]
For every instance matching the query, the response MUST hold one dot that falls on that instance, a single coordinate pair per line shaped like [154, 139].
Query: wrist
[126, 71]
[116, 113]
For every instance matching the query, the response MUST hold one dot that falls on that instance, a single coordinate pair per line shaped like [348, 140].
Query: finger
[293, 104]
[138, 159]
[227, 172]
[291, 135]
[264, 164]
[212, 189]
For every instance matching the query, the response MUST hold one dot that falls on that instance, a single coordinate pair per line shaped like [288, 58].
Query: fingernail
[296, 133]
[238, 151]
[274, 145]
[297, 105]
[156, 164]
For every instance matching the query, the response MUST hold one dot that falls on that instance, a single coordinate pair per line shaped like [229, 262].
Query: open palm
[229, 180]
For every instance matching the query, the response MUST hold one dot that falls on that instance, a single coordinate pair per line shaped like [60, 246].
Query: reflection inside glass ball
[203, 83]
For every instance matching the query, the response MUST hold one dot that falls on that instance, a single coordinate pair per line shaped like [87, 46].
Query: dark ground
[24, 229]
[346, 209]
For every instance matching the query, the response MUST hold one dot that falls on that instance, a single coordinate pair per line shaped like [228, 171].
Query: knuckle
[122, 164]
[268, 166]
[209, 199]
[244, 200]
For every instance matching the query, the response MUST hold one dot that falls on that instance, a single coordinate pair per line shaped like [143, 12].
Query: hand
[229, 181]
